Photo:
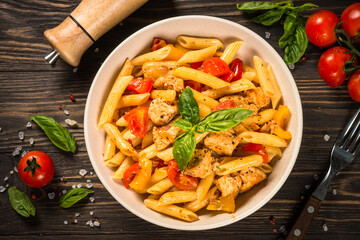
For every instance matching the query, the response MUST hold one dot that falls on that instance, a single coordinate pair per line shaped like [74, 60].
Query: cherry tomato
[196, 65]
[180, 180]
[258, 149]
[158, 43]
[225, 104]
[138, 119]
[130, 174]
[194, 85]
[237, 67]
[331, 65]
[320, 28]
[228, 77]
[354, 86]
[36, 169]
[140, 85]
[215, 66]
[351, 20]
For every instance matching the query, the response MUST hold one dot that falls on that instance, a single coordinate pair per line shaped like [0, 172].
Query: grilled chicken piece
[228, 185]
[250, 177]
[241, 102]
[257, 97]
[164, 136]
[169, 82]
[161, 112]
[155, 73]
[268, 127]
[223, 143]
[201, 164]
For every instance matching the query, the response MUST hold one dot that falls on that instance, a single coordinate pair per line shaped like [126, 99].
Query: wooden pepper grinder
[86, 24]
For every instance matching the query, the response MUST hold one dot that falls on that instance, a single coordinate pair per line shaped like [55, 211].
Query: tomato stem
[343, 38]
[32, 166]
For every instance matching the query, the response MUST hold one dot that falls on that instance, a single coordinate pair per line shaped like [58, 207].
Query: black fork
[344, 151]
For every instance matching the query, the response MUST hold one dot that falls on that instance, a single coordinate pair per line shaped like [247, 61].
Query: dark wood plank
[30, 86]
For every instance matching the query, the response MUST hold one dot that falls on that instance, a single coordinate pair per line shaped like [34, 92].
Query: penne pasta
[122, 122]
[262, 138]
[197, 55]
[234, 87]
[124, 146]
[109, 148]
[261, 118]
[116, 160]
[171, 210]
[167, 95]
[159, 174]
[147, 140]
[114, 96]
[154, 56]
[160, 187]
[202, 99]
[177, 197]
[198, 43]
[126, 69]
[230, 51]
[263, 75]
[133, 100]
[204, 110]
[187, 73]
[196, 205]
[119, 173]
[275, 99]
[239, 164]
[204, 186]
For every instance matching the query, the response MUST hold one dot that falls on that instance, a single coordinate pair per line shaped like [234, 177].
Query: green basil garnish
[21, 202]
[73, 196]
[218, 121]
[58, 135]
[294, 40]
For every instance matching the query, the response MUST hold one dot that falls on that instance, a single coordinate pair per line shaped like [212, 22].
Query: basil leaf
[296, 48]
[258, 5]
[184, 124]
[21, 202]
[222, 120]
[188, 106]
[57, 134]
[73, 196]
[289, 29]
[306, 6]
[270, 17]
[183, 149]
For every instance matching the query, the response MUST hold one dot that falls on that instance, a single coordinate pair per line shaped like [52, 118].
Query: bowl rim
[279, 184]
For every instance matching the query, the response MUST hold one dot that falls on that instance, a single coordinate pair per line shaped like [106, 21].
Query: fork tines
[349, 137]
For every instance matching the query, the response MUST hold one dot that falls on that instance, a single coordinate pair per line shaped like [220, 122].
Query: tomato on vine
[36, 169]
[350, 19]
[320, 28]
[354, 86]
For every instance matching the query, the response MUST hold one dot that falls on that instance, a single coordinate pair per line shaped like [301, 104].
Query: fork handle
[304, 220]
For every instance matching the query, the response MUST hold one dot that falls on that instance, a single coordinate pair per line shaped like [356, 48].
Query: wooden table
[29, 86]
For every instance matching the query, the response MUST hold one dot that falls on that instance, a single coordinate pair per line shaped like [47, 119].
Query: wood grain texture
[29, 86]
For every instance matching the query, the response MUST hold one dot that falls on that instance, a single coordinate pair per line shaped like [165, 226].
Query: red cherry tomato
[237, 67]
[215, 66]
[258, 149]
[196, 65]
[158, 43]
[228, 77]
[140, 85]
[351, 20]
[36, 169]
[320, 27]
[194, 85]
[180, 180]
[138, 119]
[225, 104]
[331, 65]
[354, 86]
[130, 174]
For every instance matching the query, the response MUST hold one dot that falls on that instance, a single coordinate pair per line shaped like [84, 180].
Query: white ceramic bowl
[202, 26]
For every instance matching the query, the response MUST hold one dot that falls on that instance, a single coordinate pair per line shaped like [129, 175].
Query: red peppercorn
[72, 98]
[60, 107]
[33, 196]
[303, 58]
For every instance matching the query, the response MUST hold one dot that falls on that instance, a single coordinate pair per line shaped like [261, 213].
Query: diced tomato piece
[215, 66]
[130, 174]
[138, 119]
[237, 67]
[228, 76]
[180, 180]
[258, 149]
[158, 43]
[194, 85]
[140, 85]
[225, 104]
[196, 65]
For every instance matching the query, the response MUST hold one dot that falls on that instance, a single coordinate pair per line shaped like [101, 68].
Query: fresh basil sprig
[58, 135]
[21, 202]
[294, 40]
[218, 121]
[73, 196]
